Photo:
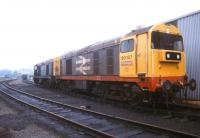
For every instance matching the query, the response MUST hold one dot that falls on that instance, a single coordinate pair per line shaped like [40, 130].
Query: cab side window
[127, 46]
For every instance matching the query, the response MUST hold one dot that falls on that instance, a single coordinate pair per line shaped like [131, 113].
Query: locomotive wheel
[134, 97]
[45, 84]
[62, 85]
[167, 88]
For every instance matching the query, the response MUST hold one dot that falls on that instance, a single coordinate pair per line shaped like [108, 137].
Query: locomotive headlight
[178, 56]
[168, 55]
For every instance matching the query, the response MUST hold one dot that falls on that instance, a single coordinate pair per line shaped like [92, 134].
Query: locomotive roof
[139, 31]
[93, 47]
[103, 44]
[45, 62]
[99, 45]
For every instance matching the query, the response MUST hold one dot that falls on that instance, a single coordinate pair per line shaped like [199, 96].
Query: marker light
[168, 55]
[178, 56]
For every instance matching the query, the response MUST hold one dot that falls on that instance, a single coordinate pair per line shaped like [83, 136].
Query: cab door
[141, 51]
[127, 57]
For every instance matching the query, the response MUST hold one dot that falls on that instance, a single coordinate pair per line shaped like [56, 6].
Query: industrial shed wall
[190, 29]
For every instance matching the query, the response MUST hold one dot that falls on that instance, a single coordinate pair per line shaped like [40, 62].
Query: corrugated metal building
[189, 25]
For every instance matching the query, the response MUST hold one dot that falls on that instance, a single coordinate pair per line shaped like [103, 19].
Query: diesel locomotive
[147, 64]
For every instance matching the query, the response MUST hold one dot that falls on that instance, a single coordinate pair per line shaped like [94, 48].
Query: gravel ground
[172, 123]
[34, 131]
[17, 124]
[17, 121]
[6, 109]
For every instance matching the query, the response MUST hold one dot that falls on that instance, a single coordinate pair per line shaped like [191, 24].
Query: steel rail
[143, 125]
[88, 130]
[190, 115]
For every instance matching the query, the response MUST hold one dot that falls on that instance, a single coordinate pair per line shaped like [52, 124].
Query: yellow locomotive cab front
[166, 56]
[167, 67]
[155, 59]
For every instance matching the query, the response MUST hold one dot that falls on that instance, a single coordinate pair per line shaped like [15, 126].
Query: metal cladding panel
[43, 70]
[63, 66]
[82, 64]
[74, 65]
[190, 29]
[50, 68]
[116, 60]
[109, 58]
[39, 70]
[102, 62]
[90, 63]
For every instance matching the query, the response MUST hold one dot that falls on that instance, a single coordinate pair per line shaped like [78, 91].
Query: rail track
[174, 110]
[93, 123]
[29, 82]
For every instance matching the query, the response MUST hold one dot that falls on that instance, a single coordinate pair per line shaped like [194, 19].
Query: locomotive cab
[167, 57]
[167, 61]
[155, 59]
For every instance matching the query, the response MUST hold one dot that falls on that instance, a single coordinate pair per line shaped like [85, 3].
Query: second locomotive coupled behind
[148, 64]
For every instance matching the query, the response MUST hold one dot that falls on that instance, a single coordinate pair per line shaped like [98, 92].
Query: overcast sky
[35, 30]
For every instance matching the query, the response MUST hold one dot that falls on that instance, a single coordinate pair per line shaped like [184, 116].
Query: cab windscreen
[167, 41]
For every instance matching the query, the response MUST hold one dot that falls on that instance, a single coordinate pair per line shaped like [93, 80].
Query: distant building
[189, 25]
